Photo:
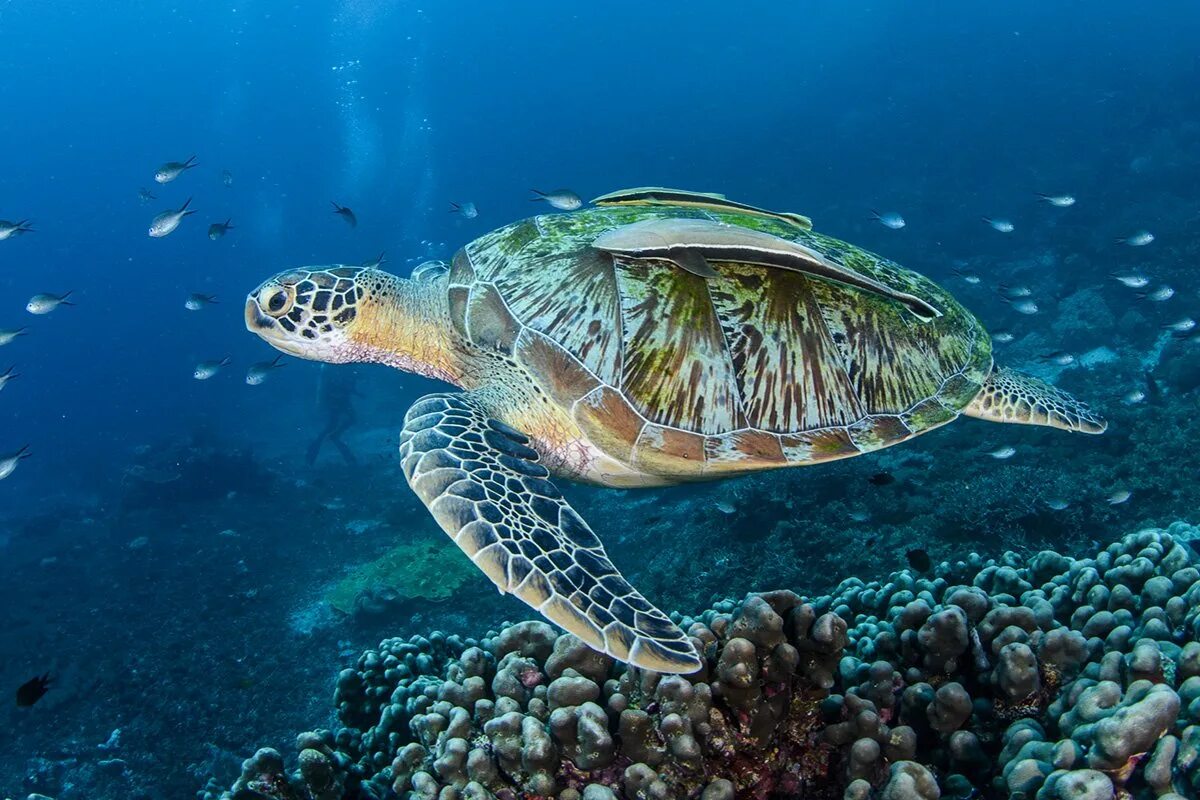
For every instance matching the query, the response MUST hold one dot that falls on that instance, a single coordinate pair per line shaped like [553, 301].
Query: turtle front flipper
[483, 485]
[1011, 396]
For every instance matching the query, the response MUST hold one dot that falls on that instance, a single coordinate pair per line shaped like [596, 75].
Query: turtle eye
[276, 300]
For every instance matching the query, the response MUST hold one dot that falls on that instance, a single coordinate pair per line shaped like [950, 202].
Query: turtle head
[311, 312]
[343, 315]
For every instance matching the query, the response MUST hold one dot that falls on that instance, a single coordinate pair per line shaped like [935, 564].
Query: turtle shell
[682, 375]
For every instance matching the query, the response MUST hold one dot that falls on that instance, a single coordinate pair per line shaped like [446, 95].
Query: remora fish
[691, 243]
[662, 196]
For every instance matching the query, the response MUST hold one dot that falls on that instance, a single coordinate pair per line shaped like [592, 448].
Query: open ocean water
[202, 546]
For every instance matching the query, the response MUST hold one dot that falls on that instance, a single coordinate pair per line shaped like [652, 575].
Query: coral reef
[1043, 676]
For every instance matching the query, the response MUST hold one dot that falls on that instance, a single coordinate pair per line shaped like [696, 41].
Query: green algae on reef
[431, 571]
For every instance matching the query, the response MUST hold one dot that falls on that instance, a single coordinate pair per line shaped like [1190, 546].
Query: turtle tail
[1011, 396]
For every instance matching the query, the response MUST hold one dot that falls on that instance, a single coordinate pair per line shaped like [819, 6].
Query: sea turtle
[637, 343]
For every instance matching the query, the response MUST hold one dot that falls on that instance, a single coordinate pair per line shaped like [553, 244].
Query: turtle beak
[269, 331]
[256, 320]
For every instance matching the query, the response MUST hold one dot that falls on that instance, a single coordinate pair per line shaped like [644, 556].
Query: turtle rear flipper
[483, 485]
[1011, 396]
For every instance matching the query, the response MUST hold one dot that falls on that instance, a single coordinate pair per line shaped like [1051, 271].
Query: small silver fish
[1139, 239]
[9, 463]
[1056, 504]
[1057, 200]
[562, 199]
[260, 371]
[7, 376]
[166, 222]
[1027, 307]
[1191, 336]
[1159, 295]
[1134, 280]
[1060, 357]
[1134, 396]
[173, 169]
[11, 230]
[7, 335]
[889, 219]
[227, 177]
[45, 303]
[1181, 326]
[1118, 497]
[464, 210]
[859, 516]
[1014, 292]
[197, 301]
[725, 508]
[1008, 451]
[345, 213]
[1002, 225]
[1003, 337]
[206, 369]
[219, 229]
[375, 263]
[969, 277]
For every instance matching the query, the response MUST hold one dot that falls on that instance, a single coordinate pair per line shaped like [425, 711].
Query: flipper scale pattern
[484, 486]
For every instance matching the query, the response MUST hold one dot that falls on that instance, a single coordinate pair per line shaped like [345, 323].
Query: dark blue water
[829, 111]
[398, 108]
